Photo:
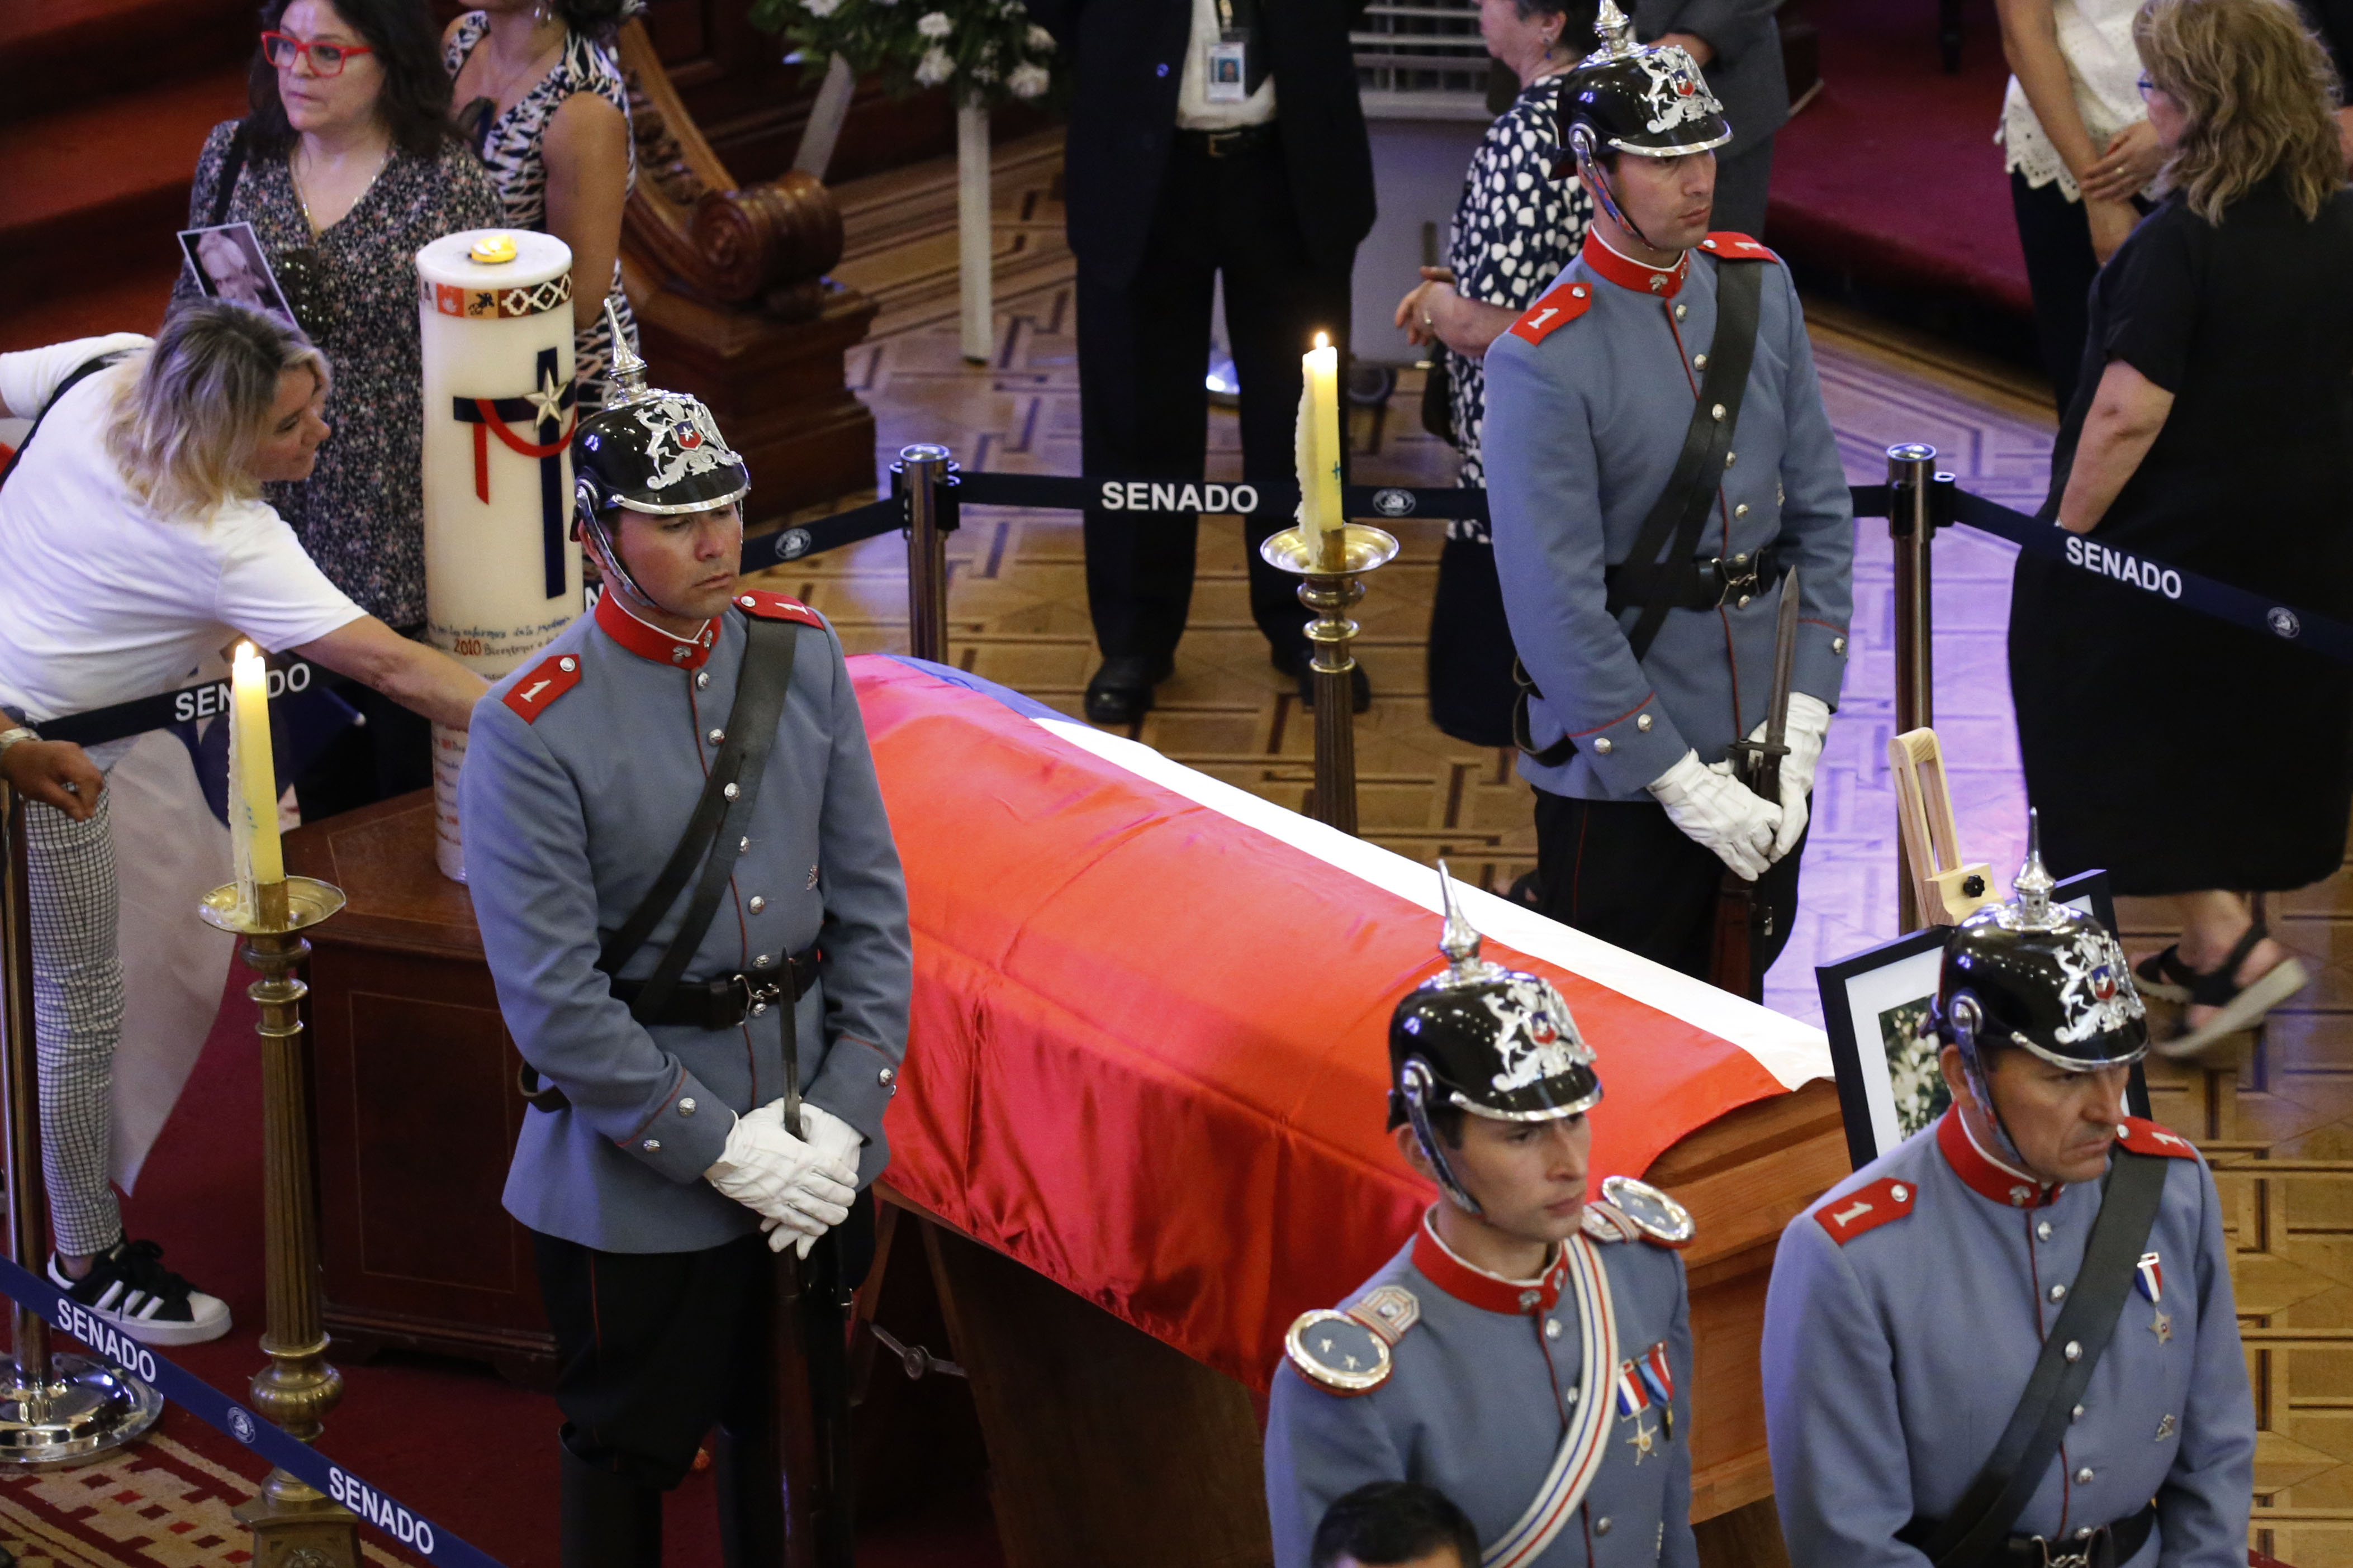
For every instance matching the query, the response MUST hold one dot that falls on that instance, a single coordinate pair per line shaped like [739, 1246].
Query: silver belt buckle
[1741, 577]
[756, 995]
[2082, 1558]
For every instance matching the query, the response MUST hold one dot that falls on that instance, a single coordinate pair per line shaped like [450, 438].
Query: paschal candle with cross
[501, 571]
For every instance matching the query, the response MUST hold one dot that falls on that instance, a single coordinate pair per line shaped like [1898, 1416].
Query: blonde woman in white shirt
[137, 544]
[2081, 157]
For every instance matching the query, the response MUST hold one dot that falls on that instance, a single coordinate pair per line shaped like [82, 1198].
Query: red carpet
[1890, 177]
[452, 1439]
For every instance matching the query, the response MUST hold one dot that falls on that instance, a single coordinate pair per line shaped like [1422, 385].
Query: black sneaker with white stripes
[129, 1287]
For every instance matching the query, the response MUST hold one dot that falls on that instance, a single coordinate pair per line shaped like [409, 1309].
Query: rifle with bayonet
[1744, 920]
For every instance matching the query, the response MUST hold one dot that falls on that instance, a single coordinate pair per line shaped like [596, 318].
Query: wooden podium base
[1100, 1443]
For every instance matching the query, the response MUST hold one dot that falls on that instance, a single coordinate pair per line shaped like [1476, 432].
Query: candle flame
[1321, 342]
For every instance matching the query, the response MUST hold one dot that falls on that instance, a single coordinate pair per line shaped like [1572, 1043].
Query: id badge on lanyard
[1225, 78]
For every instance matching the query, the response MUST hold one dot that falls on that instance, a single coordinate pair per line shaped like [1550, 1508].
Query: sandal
[2164, 977]
[2242, 1007]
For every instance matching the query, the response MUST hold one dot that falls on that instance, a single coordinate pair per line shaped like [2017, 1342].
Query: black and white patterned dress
[1515, 229]
[510, 148]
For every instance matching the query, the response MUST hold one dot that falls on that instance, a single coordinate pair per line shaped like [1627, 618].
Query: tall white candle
[1321, 511]
[253, 778]
[502, 573]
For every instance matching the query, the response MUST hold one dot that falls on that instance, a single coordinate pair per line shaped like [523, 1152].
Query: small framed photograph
[1875, 1010]
[231, 264]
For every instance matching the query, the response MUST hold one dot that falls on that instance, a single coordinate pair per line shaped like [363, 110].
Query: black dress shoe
[1360, 691]
[1121, 691]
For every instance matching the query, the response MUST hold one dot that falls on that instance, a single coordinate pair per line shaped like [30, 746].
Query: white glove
[780, 1177]
[1809, 722]
[1714, 809]
[838, 1143]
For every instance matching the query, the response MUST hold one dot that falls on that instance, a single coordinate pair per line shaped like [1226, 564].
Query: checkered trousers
[77, 1016]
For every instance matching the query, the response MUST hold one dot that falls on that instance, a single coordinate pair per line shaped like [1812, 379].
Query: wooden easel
[1944, 892]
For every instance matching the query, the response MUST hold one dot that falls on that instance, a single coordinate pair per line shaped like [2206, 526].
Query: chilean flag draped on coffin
[1148, 1055]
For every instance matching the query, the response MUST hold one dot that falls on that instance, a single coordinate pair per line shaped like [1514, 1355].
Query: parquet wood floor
[2276, 1120]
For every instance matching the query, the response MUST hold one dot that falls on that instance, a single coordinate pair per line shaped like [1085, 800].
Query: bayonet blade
[1785, 655]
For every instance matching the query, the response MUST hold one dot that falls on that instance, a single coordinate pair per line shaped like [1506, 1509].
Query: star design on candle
[549, 398]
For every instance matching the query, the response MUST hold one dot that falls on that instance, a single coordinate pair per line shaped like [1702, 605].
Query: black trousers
[654, 1350]
[1621, 870]
[1144, 349]
[1741, 181]
[2057, 239]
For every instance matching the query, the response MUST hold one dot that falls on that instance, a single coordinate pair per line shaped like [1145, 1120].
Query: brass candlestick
[56, 1409]
[297, 1389]
[1334, 583]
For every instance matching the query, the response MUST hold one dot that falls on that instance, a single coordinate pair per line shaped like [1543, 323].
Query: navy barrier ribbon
[2327, 637]
[2323, 635]
[412, 1530]
[288, 677]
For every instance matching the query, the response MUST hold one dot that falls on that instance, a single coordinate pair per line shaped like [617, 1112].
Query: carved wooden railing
[731, 295]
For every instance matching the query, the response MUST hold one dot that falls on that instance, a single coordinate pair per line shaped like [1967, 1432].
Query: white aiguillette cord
[1581, 1446]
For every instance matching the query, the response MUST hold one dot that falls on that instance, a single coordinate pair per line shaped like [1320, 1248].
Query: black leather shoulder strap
[1655, 574]
[81, 372]
[718, 817]
[232, 165]
[1978, 1526]
[1671, 530]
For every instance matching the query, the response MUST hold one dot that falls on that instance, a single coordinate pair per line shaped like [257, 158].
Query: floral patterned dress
[511, 149]
[361, 514]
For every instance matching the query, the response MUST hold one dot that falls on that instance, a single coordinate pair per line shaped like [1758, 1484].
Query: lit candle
[253, 779]
[1320, 514]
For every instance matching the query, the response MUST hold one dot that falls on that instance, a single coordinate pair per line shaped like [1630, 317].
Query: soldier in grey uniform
[1644, 511]
[663, 1143]
[1528, 1352]
[1917, 1309]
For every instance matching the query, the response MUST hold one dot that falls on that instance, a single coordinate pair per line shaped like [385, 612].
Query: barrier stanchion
[56, 1409]
[288, 1517]
[922, 475]
[1333, 584]
[1911, 527]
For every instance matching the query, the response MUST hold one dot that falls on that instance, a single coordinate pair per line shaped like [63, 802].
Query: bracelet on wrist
[14, 735]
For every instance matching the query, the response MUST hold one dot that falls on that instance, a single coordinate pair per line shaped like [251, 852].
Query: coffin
[1141, 1127]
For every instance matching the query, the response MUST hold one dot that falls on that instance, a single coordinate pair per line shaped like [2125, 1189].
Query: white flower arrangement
[984, 49]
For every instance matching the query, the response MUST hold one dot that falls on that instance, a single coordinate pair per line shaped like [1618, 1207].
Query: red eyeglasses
[282, 50]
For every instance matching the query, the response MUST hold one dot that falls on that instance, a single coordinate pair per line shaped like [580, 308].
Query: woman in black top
[2213, 432]
[347, 166]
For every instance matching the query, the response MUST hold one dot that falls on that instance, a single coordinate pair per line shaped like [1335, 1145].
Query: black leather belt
[1232, 144]
[721, 1004]
[1711, 583]
[725, 1003]
[2112, 1545]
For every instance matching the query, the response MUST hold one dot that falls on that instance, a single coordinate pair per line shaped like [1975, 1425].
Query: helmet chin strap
[1417, 1085]
[597, 538]
[1981, 1091]
[1597, 184]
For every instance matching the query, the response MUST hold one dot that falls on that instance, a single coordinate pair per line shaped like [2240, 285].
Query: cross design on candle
[544, 410]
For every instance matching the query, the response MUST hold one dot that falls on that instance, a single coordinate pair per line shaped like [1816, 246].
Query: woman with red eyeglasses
[349, 164]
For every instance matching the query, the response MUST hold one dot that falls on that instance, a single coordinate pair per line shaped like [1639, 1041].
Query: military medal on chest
[2150, 1276]
[1644, 1384]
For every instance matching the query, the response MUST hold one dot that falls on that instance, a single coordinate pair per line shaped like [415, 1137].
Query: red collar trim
[1489, 1293]
[649, 642]
[1996, 1180]
[1663, 283]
